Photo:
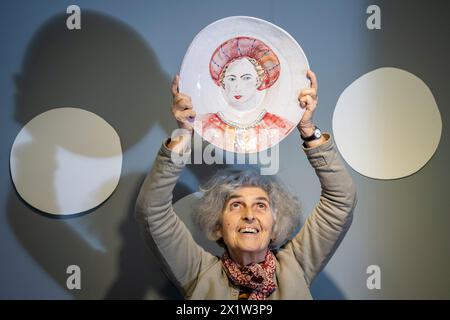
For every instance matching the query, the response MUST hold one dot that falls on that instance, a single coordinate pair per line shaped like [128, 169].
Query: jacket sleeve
[182, 258]
[328, 223]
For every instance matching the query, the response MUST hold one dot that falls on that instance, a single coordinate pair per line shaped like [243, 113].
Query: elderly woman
[252, 216]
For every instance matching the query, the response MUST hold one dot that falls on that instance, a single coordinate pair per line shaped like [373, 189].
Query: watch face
[317, 133]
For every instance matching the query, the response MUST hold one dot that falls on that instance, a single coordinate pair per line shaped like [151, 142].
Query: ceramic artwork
[244, 76]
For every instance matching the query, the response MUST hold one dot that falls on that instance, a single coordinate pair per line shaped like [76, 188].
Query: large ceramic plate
[244, 75]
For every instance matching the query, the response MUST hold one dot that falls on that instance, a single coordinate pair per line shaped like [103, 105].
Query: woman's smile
[248, 233]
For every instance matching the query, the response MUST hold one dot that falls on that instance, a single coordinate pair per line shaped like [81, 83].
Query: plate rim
[180, 84]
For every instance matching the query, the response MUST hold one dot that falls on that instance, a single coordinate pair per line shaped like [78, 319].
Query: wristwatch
[316, 135]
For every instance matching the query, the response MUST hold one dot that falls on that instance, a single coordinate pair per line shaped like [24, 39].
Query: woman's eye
[262, 205]
[247, 78]
[231, 79]
[235, 205]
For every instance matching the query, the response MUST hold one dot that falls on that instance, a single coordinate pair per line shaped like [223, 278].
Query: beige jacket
[199, 274]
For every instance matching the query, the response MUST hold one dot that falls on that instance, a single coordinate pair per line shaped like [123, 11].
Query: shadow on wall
[323, 288]
[108, 69]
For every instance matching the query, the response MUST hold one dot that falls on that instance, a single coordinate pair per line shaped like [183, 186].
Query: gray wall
[120, 66]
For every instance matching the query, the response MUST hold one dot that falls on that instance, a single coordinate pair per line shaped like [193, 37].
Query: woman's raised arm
[163, 230]
[327, 225]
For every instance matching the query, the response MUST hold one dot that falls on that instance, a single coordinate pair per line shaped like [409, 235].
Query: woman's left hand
[308, 100]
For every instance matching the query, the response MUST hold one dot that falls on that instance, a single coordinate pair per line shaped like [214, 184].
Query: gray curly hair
[286, 208]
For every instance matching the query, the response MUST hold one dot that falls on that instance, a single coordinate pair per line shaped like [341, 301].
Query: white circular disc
[387, 124]
[66, 161]
[271, 103]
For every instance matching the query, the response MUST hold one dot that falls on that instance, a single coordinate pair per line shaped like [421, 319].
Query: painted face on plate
[240, 83]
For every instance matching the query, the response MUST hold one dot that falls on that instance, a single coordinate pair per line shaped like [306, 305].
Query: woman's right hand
[182, 108]
[184, 114]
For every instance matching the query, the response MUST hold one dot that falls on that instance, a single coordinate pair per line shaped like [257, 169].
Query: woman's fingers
[185, 119]
[308, 96]
[185, 115]
[182, 108]
[302, 101]
[182, 102]
[190, 113]
[310, 91]
[175, 81]
[312, 77]
[308, 102]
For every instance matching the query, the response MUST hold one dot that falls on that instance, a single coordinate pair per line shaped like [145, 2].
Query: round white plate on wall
[66, 161]
[387, 124]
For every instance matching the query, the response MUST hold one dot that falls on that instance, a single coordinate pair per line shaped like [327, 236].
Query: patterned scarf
[256, 276]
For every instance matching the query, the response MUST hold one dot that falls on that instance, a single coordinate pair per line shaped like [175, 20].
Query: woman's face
[240, 82]
[247, 223]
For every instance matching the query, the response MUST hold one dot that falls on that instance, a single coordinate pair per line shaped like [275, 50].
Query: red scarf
[256, 276]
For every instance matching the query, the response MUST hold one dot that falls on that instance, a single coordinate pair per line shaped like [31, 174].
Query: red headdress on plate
[241, 47]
